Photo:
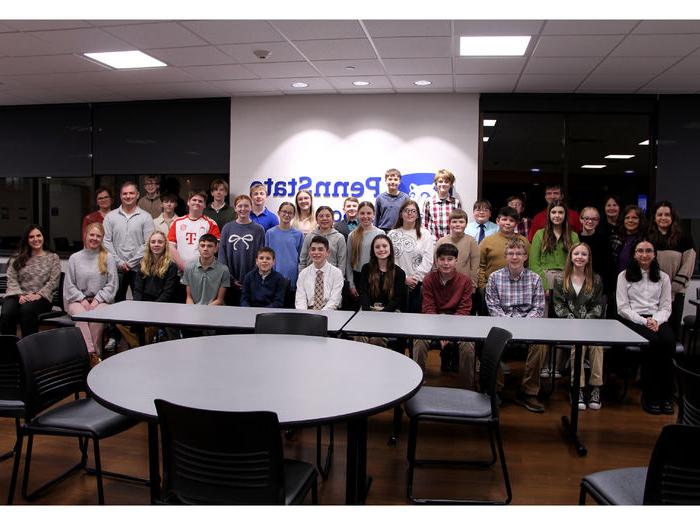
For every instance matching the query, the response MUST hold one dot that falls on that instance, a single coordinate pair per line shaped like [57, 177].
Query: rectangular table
[575, 332]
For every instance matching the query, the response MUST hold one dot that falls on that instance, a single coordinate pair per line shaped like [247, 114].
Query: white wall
[350, 141]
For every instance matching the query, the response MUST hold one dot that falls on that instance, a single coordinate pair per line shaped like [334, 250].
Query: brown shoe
[530, 402]
[94, 360]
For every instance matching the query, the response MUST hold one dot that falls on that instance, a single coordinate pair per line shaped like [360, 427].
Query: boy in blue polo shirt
[263, 286]
[260, 214]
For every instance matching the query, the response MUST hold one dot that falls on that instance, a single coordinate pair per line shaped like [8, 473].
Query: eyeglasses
[410, 211]
[592, 219]
[515, 254]
[286, 212]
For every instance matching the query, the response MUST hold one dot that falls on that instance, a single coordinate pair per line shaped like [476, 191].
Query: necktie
[318, 290]
[482, 233]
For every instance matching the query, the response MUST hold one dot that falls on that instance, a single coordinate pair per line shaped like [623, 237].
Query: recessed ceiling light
[486, 139]
[126, 59]
[360, 83]
[349, 68]
[422, 82]
[535, 170]
[644, 142]
[594, 166]
[299, 84]
[479, 46]
[629, 172]
[623, 157]
[489, 123]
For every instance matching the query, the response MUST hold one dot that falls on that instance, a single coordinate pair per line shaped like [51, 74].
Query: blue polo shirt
[266, 219]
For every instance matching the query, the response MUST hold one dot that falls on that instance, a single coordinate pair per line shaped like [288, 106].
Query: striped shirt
[522, 296]
[436, 215]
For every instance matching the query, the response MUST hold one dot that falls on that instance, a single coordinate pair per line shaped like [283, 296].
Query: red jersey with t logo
[185, 233]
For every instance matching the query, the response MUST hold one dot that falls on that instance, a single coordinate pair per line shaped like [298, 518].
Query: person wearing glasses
[286, 241]
[104, 199]
[594, 235]
[644, 305]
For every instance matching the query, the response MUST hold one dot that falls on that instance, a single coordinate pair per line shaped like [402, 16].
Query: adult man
[218, 210]
[319, 285]
[492, 250]
[151, 201]
[447, 291]
[350, 221]
[482, 227]
[185, 231]
[552, 192]
[515, 291]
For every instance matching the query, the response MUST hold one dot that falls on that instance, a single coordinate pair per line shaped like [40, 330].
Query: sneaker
[581, 400]
[667, 407]
[557, 374]
[530, 402]
[651, 407]
[594, 400]
[111, 345]
[545, 373]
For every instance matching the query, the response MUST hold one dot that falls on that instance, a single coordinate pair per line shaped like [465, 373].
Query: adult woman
[414, 247]
[304, 219]
[358, 247]
[32, 279]
[623, 240]
[612, 208]
[91, 282]
[382, 284]
[287, 242]
[675, 252]
[644, 305]
[577, 295]
[103, 197]
[336, 241]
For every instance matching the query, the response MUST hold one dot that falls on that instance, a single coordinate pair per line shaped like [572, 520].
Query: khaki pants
[536, 355]
[467, 360]
[378, 341]
[131, 336]
[595, 356]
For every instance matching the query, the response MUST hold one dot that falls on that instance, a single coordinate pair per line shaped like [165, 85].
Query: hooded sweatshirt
[336, 244]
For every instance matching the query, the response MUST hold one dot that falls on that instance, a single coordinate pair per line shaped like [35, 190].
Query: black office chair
[11, 404]
[55, 365]
[301, 324]
[688, 395]
[672, 478]
[57, 317]
[228, 458]
[465, 407]
[691, 327]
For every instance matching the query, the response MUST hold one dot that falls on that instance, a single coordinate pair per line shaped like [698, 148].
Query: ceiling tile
[136, 76]
[486, 83]
[497, 27]
[497, 65]
[371, 92]
[416, 47]
[657, 46]
[47, 64]
[576, 46]
[348, 48]
[621, 83]
[319, 29]
[227, 72]
[20, 44]
[438, 81]
[283, 70]
[5, 28]
[618, 67]
[376, 82]
[40, 25]
[672, 84]
[560, 66]
[429, 89]
[246, 86]
[548, 83]
[104, 23]
[192, 56]
[315, 84]
[234, 31]
[588, 27]
[167, 34]
[92, 40]
[668, 26]
[336, 68]
[409, 66]
[278, 52]
[392, 28]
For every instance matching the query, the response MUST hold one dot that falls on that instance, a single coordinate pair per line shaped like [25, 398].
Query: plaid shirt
[523, 226]
[436, 215]
[520, 297]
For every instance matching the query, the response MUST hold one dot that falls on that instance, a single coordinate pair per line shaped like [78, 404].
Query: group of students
[391, 255]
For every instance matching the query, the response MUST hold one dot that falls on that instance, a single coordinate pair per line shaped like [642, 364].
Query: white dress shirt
[332, 287]
[644, 298]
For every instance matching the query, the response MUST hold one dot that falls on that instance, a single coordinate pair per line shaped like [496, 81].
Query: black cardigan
[153, 288]
[397, 302]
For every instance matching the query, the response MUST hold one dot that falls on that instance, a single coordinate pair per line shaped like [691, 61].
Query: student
[446, 291]
[644, 305]
[382, 284]
[91, 282]
[263, 286]
[515, 291]
[482, 227]
[436, 211]
[358, 247]
[324, 227]
[165, 219]
[612, 208]
[103, 197]
[206, 279]
[518, 204]
[468, 258]
[627, 235]
[389, 202]
[320, 285]
[218, 210]
[32, 278]
[286, 241]
[260, 214]
[151, 202]
[185, 231]
[599, 243]
[304, 220]
[414, 248]
[675, 252]
[492, 251]
[553, 193]
[349, 221]
[241, 240]
[577, 295]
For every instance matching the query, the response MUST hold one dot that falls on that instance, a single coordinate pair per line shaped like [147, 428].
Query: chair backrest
[292, 324]
[10, 370]
[495, 343]
[55, 364]
[57, 297]
[212, 457]
[689, 395]
[673, 477]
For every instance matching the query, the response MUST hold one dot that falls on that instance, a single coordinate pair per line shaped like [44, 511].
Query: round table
[305, 380]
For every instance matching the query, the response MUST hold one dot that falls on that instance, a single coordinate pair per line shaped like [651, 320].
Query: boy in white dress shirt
[319, 285]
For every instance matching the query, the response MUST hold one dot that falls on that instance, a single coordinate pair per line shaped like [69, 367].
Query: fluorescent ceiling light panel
[126, 59]
[486, 139]
[623, 157]
[493, 46]
[489, 123]
[644, 142]
[593, 166]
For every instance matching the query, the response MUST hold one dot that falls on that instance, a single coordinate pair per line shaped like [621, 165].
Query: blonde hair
[357, 235]
[587, 271]
[102, 257]
[445, 174]
[152, 267]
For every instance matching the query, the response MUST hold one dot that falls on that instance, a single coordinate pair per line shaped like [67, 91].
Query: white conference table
[574, 332]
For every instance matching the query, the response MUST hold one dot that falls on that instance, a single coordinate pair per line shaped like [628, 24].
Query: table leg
[571, 426]
[154, 461]
[356, 482]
